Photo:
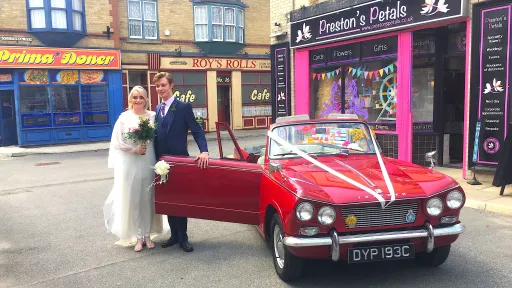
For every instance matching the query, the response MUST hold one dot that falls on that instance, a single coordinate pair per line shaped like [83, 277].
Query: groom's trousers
[178, 228]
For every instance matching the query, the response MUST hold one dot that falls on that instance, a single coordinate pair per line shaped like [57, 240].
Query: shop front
[232, 90]
[398, 65]
[56, 95]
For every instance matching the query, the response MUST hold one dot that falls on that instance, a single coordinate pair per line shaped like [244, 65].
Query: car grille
[375, 216]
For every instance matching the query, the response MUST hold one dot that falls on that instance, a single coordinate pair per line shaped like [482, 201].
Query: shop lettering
[70, 58]
[380, 47]
[389, 14]
[44, 58]
[342, 53]
[318, 57]
[223, 63]
[24, 58]
[376, 15]
[189, 97]
[260, 96]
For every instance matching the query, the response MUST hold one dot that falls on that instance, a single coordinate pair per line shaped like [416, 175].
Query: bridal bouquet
[144, 132]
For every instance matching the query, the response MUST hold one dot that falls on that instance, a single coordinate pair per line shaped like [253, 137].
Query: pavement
[483, 197]
[16, 151]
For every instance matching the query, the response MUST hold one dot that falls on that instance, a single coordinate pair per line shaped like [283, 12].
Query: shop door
[224, 104]
[8, 132]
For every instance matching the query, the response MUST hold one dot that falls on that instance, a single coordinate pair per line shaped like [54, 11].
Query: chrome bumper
[335, 240]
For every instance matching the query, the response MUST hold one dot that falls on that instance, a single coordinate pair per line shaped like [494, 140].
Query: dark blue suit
[171, 139]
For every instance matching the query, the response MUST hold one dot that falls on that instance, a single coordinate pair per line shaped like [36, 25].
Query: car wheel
[287, 265]
[436, 258]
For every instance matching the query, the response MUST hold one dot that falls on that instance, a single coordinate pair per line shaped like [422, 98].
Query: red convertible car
[320, 189]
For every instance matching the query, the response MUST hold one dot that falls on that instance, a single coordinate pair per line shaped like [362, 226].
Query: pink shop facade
[402, 66]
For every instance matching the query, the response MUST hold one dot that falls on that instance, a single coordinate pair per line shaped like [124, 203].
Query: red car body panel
[237, 191]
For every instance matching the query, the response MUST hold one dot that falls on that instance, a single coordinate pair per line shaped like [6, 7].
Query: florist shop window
[52, 98]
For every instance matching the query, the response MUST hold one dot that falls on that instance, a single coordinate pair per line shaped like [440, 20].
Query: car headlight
[326, 215]
[434, 206]
[304, 211]
[454, 199]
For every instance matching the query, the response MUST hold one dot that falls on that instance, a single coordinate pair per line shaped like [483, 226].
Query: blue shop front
[55, 95]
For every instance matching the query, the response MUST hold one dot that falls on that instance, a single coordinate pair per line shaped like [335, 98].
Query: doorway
[8, 133]
[224, 103]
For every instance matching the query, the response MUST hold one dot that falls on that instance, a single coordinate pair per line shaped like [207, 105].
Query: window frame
[206, 23]
[143, 20]
[238, 25]
[47, 7]
[221, 23]
[235, 10]
[81, 113]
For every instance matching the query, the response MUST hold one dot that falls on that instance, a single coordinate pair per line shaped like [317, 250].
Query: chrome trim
[373, 237]
[218, 167]
[335, 246]
[430, 236]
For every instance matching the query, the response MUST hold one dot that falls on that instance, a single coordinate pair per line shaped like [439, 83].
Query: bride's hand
[141, 150]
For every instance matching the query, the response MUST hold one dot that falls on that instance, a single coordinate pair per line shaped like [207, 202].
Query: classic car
[320, 188]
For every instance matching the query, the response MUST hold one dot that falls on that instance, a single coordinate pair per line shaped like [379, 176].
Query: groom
[174, 119]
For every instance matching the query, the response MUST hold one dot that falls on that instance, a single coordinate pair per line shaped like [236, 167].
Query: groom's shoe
[186, 247]
[170, 242]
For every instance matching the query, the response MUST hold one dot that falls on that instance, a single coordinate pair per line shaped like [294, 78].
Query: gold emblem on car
[351, 221]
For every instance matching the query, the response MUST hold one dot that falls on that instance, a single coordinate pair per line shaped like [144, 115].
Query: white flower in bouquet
[162, 168]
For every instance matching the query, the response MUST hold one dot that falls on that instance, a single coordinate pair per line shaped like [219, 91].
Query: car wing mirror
[274, 167]
[431, 157]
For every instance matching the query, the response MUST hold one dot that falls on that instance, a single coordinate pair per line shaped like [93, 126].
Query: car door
[227, 190]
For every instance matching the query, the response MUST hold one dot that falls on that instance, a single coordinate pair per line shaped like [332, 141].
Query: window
[218, 23]
[58, 15]
[142, 19]
[230, 22]
[201, 23]
[53, 98]
[241, 26]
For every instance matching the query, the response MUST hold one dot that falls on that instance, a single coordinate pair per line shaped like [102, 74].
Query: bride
[129, 210]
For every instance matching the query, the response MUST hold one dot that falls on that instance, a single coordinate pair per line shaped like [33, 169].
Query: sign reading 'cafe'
[372, 18]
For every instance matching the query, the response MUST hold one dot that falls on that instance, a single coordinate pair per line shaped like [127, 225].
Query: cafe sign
[372, 18]
[29, 57]
[193, 63]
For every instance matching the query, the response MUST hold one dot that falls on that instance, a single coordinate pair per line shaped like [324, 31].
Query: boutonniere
[173, 107]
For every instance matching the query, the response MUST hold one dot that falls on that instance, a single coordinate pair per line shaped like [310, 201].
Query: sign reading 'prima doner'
[372, 18]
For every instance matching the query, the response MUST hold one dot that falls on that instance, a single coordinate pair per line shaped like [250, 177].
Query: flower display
[143, 133]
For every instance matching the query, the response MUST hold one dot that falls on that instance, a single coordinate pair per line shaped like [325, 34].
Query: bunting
[368, 74]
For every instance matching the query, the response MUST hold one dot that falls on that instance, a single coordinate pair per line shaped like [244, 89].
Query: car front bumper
[335, 240]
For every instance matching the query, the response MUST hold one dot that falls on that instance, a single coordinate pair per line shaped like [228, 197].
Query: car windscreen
[323, 138]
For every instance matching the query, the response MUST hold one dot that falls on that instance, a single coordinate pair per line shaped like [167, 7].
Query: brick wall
[177, 17]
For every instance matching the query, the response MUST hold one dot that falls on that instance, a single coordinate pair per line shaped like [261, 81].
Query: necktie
[162, 109]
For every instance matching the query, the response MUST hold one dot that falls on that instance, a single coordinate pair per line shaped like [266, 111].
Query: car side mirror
[274, 167]
[432, 157]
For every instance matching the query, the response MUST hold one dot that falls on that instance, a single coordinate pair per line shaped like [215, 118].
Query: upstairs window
[142, 19]
[214, 23]
[56, 15]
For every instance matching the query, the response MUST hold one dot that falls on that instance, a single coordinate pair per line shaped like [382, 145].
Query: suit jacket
[172, 130]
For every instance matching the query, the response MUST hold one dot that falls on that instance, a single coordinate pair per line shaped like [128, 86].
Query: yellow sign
[351, 221]
[192, 63]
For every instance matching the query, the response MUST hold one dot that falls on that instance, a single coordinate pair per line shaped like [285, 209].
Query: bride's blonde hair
[142, 93]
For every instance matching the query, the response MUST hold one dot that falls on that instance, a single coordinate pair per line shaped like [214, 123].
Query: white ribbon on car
[379, 197]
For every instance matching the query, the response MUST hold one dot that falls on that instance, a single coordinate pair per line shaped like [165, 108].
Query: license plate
[380, 253]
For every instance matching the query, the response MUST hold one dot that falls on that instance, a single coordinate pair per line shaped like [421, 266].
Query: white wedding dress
[129, 210]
